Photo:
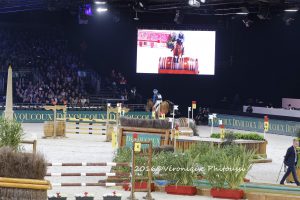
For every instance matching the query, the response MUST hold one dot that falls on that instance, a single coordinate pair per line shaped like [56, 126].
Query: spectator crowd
[47, 71]
[55, 76]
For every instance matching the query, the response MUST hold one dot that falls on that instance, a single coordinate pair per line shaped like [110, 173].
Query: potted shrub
[57, 196]
[84, 196]
[113, 196]
[11, 134]
[160, 161]
[240, 136]
[142, 171]
[183, 172]
[225, 169]
[124, 155]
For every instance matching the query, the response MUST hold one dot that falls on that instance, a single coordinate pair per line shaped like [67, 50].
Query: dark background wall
[259, 62]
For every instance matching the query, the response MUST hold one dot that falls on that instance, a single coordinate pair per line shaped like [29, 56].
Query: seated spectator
[55, 67]
[249, 109]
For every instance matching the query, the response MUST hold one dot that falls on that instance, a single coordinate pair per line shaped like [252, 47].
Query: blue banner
[39, 116]
[281, 127]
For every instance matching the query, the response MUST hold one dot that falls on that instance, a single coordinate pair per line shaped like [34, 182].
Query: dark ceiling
[210, 7]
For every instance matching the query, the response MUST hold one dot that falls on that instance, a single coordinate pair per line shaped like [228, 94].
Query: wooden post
[54, 109]
[34, 147]
[167, 137]
[33, 142]
[119, 137]
[54, 122]
[148, 196]
[132, 196]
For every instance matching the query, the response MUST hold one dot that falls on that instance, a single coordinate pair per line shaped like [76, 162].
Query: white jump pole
[189, 110]
[175, 107]
[212, 117]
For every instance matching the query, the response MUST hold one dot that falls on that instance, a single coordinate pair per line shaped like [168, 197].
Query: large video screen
[176, 52]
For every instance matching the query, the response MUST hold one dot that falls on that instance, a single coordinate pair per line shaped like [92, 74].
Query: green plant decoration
[11, 134]
[227, 166]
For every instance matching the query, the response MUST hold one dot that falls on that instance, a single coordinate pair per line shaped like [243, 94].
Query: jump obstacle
[32, 142]
[86, 126]
[62, 126]
[88, 164]
[102, 174]
[118, 176]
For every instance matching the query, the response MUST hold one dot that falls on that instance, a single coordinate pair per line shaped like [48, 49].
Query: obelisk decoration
[9, 113]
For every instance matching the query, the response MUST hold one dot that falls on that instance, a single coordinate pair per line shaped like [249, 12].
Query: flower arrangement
[113, 196]
[57, 196]
[84, 196]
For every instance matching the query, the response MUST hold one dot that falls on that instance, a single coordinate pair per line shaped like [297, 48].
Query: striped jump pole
[88, 174]
[112, 164]
[86, 126]
[88, 184]
[117, 176]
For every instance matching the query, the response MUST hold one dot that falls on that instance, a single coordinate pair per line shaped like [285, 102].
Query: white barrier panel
[295, 103]
[274, 111]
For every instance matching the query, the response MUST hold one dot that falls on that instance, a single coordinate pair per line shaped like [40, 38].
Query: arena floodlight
[247, 22]
[194, 3]
[136, 18]
[141, 4]
[292, 10]
[100, 10]
[244, 11]
[100, 2]
[178, 19]
[289, 21]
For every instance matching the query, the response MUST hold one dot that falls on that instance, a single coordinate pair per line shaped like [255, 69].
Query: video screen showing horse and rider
[176, 52]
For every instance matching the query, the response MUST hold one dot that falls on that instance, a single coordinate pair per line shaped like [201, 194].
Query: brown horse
[162, 108]
[149, 105]
[177, 52]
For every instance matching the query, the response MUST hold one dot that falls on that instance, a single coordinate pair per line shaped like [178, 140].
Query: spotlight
[100, 10]
[289, 21]
[136, 18]
[292, 10]
[247, 22]
[264, 13]
[141, 4]
[194, 3]
[100, 2]
[244, 11]
[178, 17]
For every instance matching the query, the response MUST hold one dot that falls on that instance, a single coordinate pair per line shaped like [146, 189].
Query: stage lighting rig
[178, 17]
[136, 18]
[194, 3]
[247, 22]
[139, 5]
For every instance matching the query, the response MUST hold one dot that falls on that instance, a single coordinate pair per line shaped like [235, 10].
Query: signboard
[137, 147]
[194, 105]
[281, 127]
[143, 137]
[39, 116]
